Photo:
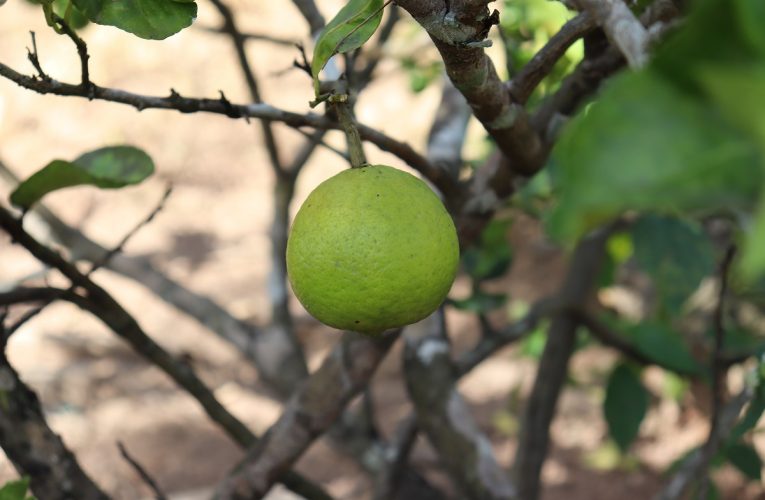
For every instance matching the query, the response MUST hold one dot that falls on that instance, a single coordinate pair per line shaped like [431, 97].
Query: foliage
[108, 167]
[670, 138]
[348, 30]
[625, 405]
[15, 490]
[150, 19]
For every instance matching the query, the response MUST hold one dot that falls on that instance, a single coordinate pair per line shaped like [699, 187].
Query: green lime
[372, 248]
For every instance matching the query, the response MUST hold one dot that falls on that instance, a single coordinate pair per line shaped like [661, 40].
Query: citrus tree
[632, 131]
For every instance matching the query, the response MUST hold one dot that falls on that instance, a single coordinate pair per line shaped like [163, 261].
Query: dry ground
[213, 237]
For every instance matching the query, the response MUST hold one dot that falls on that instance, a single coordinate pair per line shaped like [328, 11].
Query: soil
[212, 236]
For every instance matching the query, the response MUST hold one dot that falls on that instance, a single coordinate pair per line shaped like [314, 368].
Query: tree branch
[311, 14]
[247, 36]
[229, 26]
[490, 344]
[33, 448]
[309, 413]
[697, 463]
[445, 417]
[553, 366]
[459, 34]
[224, 107]
[529, 77]
[622, 28]
[99, 303]
[145, 476]
[588, 75]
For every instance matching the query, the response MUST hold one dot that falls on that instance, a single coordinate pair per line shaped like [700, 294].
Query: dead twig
[141, 471]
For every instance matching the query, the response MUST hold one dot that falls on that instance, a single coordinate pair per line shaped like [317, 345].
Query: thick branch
[445, 417]
[459, 33]
[310, 412]
[33, 448]
[553, 367]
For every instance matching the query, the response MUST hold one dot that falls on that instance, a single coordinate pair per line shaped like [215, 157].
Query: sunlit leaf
[348, 30]
[150, 19]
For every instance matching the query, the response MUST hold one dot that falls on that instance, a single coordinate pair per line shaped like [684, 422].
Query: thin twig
[104, 260]
[145, 476]
[717, 364]
[34, 58]
[696, 464]
[311, 14]
[260, 37]
[324, 144]
[82, 52]
[217, 106]
[249, 75]
[94, 266]
[513, 332]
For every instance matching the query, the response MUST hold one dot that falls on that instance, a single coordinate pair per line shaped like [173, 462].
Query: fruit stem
[355, 149]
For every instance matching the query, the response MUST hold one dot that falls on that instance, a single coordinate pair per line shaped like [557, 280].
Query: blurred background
[213, 237]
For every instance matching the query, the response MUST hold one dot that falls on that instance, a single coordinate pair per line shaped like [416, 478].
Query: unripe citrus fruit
[372, 248]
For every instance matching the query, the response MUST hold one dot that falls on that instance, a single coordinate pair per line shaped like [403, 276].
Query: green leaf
[737, 90]
[752, 262]
[491, 257]
[150, 19]
[675, 253]
[350, 28]
[77, 20]
[109, 167]
[15, 490]
[751, 15]
[480, 302]
[753, 413]
[534, 344]
[625, 405]
[648, 146]
[745, 458]
[664, 346]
